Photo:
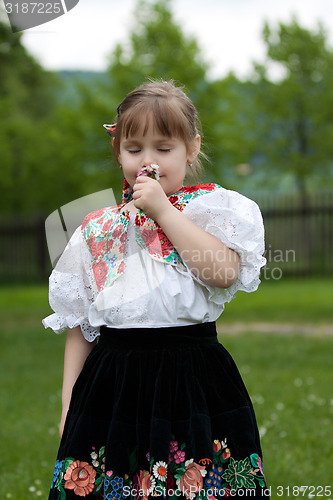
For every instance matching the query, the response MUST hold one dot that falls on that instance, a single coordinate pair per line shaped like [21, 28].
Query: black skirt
[159, 412]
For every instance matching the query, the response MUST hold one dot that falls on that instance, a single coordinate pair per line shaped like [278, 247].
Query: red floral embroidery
[100, 273]
[123, 238]
[192, 481]
[142, 483]
[213, 479]
[140, 219]
[155, 242]
[107, 228]
[173, 199]
[109, 245]
[203, 187]
[80, 477]
[165, 244]
[97, 215]
[217, 445]
[117, 232]
[107, 225]
[122, 248]
[96, 248]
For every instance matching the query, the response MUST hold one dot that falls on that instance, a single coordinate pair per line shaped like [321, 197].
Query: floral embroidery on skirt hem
[181, 477]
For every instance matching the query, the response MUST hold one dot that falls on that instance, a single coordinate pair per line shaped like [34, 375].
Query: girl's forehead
[147, 127]
[149, 138]
[164, 119]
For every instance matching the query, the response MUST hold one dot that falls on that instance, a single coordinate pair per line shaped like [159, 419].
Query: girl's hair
[168, 108]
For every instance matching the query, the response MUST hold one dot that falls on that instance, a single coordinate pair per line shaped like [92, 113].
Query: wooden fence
[23, 250]
[299, 238]
[299, 241]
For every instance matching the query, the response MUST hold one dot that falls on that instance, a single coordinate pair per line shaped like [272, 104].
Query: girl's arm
[76, 351]
[204, 254]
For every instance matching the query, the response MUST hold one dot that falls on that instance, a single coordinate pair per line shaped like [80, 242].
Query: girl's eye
[164, 150]
[133, 151]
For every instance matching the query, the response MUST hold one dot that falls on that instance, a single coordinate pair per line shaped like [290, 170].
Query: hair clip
[110, 128]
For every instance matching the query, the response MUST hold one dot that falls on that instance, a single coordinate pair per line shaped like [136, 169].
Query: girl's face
[170, 154]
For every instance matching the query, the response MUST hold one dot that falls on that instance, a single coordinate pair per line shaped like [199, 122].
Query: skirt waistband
[170, 337]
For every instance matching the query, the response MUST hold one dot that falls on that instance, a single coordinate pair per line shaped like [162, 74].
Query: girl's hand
[148, 195]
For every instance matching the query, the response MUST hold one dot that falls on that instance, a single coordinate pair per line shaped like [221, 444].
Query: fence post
[41, 247]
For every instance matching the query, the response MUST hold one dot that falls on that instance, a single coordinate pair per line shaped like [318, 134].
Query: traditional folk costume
[159, 408]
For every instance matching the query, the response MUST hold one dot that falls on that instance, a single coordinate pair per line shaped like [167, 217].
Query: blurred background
[262, 83]
[261, 77]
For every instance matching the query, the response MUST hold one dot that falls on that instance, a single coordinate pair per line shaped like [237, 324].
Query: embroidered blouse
[121, 271]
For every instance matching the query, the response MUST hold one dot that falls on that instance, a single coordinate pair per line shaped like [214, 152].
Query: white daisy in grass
[160, 470]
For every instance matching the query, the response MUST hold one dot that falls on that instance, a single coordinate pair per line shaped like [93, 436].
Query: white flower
[155, 170]
[160, 470]
[152, 485]
[224, 443]
[150, 171]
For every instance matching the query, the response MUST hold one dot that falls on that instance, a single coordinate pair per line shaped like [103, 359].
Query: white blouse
[151, 293]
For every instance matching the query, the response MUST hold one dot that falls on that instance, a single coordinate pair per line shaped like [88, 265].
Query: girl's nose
[148, 158]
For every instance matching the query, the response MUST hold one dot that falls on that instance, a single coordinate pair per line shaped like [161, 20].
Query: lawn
[289, 379]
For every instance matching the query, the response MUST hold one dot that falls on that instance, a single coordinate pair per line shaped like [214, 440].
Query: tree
[53, 154]
[159, 49]
[229, 117]
[27, 98]
[295, 114]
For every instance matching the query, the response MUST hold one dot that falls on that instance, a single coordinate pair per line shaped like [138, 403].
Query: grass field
[289, 379]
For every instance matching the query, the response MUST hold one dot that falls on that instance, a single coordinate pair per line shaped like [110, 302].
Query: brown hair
[171, 111]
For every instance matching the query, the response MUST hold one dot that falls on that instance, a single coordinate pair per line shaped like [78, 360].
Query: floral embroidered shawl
[104, 232]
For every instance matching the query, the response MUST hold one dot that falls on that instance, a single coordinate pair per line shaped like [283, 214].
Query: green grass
[30, 382]
[296, 301]
[288, 377]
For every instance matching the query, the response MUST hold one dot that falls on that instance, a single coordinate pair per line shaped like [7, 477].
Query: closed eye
[164, 150]
[134, 151]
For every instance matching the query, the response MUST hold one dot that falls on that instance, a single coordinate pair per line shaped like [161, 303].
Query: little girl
[153, 405]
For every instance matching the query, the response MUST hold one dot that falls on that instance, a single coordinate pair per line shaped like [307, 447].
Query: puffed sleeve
[71, 290]
[237, 222]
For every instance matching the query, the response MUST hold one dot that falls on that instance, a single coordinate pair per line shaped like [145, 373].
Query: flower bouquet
[150, 171]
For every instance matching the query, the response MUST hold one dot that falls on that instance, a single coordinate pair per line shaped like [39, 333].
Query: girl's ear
[194, 149]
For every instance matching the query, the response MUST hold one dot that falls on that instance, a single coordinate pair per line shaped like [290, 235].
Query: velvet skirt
[159, 412]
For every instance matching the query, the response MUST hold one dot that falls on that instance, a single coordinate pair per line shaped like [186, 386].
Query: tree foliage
[256, 132]
[296, 113]
[27, 98]
[158, 49]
